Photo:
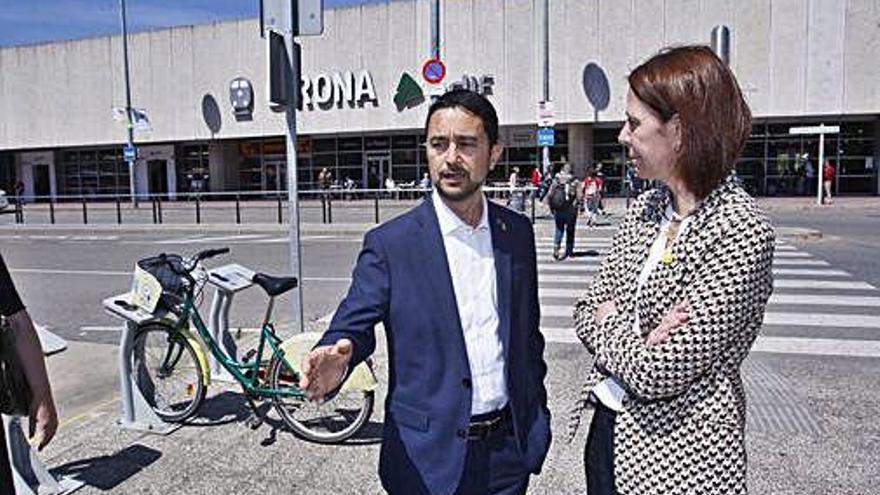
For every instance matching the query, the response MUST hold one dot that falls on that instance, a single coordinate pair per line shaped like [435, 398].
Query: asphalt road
[811, 380]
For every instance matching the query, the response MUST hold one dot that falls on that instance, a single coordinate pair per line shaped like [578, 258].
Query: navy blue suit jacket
[402, 279]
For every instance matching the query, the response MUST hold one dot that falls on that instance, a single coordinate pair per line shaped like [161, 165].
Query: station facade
[208, 126]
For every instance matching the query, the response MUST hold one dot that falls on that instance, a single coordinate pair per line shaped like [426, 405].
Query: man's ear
[497, 149]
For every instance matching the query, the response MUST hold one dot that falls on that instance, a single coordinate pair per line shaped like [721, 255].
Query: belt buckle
[481, 429]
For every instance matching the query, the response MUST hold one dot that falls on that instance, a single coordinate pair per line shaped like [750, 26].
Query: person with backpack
[562, 198]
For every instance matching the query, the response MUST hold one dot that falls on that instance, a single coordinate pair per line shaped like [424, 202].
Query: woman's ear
[674, 128]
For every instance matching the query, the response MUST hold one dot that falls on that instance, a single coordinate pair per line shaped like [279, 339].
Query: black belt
[482, 425]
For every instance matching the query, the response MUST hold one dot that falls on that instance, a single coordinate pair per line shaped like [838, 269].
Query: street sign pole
[128, 119]
[281, 20]
[545, 151]
[821, 130]
[293, 186]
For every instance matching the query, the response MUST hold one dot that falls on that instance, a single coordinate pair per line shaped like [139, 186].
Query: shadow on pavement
[109, 471]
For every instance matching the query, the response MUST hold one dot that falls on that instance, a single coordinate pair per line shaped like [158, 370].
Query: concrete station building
[799, 62]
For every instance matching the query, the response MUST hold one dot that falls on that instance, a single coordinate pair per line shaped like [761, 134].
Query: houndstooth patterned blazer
[682, 427]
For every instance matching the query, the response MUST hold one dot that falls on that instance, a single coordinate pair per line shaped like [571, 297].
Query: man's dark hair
[472, 102]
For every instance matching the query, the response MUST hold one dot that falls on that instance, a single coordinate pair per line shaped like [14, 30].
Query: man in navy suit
[454, 282]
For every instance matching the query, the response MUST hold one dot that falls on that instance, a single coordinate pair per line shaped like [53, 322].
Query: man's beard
[469, 189]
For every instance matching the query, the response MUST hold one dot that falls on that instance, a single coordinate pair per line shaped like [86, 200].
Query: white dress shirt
[472, 266]
[609, 391]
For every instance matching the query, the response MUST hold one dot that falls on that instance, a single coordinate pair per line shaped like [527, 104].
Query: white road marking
[776, 345]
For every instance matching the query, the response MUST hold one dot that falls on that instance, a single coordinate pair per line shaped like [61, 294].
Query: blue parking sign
[129, 153]
[546, 137]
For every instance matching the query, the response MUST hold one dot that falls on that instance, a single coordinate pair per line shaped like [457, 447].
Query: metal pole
[435, 29]
[130, 142]
[293, 185]
[821, 167]
[545, 151]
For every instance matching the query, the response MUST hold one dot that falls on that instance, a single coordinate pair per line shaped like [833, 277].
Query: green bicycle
[170, 367]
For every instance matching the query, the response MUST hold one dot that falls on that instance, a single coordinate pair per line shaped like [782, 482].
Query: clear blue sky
[36, 21]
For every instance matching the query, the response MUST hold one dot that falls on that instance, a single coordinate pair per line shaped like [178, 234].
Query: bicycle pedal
[249, 355]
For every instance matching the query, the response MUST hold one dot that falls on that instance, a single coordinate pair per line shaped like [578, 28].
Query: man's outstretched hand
[324, 368]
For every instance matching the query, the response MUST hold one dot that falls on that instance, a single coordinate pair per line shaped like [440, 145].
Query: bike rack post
[29, 475]
[227, 280]
[198, 211]
[85, 212]
[534, 198]
[280, 218]
[329, 210]
[237, 208]
[136, 411]
[52, 211]
[118, 212]
[376, 205]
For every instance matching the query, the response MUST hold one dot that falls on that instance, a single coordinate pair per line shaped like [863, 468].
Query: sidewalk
[355, 219]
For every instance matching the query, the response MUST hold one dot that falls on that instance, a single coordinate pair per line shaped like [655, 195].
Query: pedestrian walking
[562, 198]
[679, 299]
[454, 282]
[827, 180]
[591, 192]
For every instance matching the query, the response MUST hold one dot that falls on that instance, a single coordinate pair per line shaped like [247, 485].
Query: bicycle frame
[237, 369]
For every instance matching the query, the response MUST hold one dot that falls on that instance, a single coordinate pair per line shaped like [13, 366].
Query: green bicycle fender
[294, 348]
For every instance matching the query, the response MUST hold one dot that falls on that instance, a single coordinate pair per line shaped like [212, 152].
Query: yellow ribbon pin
[667, 258]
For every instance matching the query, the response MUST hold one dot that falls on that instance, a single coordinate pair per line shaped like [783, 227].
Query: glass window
[408, 141]
[351, 144]
[351, 159]
[404, 158]
[377, 143]
[323, 145]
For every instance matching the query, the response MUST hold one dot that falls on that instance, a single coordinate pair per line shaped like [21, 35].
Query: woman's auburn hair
[715, 121]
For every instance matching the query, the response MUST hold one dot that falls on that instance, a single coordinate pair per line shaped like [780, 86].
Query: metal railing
[239, 207]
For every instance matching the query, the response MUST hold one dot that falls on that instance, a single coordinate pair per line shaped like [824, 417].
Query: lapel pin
[667, 258]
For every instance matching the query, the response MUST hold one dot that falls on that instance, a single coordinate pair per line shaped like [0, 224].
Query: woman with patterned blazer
[680, 298]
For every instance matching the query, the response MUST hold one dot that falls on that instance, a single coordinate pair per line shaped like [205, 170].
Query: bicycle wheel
[330, 422]
[167, 372]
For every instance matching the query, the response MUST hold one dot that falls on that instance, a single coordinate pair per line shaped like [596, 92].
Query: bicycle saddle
[274, 285]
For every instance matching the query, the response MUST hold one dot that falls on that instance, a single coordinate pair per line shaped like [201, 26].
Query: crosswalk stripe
[826, 320]
[826, 347]
[792, 254]
[770, 318]
[811, 272]
[794, 299]
[799, 262]
[820, 284]
[777, 284]
[566, 267]
[830, 300]
[775, 345]
[203, 240]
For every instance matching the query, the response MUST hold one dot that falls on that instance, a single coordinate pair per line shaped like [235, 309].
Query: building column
[580, 148]
[223, 166]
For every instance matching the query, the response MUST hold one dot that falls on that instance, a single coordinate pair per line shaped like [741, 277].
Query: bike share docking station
[29, 475]
[137, 414]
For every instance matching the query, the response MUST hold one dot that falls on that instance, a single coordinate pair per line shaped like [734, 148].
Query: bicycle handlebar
[210, 253]
[187, 266]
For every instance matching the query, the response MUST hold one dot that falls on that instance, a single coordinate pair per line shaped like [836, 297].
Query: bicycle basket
[173, 284]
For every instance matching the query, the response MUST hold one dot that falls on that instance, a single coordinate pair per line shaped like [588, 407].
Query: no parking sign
[434, 71]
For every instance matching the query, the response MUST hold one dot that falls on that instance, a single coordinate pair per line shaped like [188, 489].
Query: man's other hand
[324, 368]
